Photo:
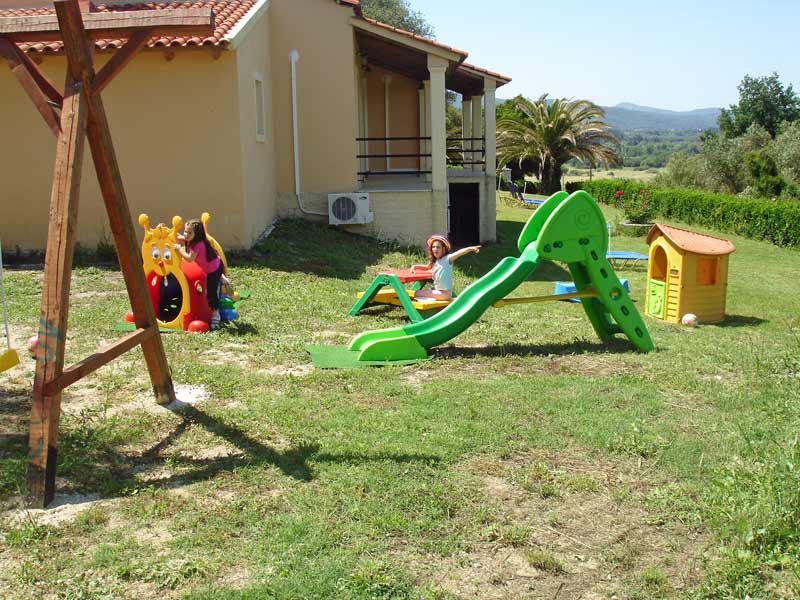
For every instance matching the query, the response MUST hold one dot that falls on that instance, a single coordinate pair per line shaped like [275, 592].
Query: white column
[387, 80]
[477, 130]
[466, 130]
[437, 68]
[490, 125]
[426, 85]
[364, 123]
[423, 120]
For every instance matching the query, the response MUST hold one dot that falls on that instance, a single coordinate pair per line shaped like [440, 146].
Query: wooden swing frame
[74, 116]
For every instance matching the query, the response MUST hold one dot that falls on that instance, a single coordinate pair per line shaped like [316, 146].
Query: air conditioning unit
[349, 209]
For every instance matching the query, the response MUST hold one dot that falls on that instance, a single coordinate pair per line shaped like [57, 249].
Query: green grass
[525, 458]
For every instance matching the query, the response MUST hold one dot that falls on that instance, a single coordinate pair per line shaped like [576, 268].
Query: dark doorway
[465, 222]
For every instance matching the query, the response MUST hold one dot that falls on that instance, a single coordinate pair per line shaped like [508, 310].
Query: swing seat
[8, 359]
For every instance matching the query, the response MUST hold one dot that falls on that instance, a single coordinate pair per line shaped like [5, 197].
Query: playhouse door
[656, 294]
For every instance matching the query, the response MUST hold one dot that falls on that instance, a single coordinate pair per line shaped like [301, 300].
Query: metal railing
[417, 155]
[459, 148]
[460, 151]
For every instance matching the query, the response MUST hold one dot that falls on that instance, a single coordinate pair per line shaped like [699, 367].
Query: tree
[725, 158]
[786, 150]
[397, 13]
[762, 100]
[553, 132]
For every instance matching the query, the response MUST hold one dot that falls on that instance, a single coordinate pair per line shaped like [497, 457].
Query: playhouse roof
[691, 241]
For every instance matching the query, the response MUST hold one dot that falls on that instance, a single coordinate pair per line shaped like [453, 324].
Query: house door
[465, 223]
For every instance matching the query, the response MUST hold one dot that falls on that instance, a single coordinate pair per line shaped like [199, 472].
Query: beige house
[291, 108]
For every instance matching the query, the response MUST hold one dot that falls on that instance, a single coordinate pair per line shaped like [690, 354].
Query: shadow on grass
[239, 328]
[292, 462]
[739, 321]
[317, 249]
[616, 346]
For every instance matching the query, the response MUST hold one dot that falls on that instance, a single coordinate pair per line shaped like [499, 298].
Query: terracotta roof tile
[227, 14]
[487, 72]
[691, 241]
[414, 36]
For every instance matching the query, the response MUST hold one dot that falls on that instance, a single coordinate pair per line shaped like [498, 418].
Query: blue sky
[678, 55]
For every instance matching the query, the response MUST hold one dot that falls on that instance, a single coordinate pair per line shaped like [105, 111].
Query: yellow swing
[9, 358]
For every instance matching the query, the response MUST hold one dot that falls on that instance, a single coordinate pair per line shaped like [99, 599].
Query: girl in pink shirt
[196, 248]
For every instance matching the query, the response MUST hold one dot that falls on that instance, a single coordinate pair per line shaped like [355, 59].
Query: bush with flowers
[636, 206]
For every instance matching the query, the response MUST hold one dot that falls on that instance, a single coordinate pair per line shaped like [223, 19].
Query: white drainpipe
[294, 56]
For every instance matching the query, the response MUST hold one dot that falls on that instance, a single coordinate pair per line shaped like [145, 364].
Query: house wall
[327, 100]
[257, 151]
[403, 102]
[408, 217]
[175, 130]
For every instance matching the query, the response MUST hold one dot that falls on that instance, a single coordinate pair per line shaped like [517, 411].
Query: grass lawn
[645, 175]
[526, 459]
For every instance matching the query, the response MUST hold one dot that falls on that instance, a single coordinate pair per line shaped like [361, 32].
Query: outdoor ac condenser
[349, 209]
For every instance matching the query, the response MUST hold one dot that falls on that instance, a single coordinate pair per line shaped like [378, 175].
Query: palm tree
[552, 132]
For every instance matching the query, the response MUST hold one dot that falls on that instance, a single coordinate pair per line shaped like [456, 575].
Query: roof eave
[404, 38]
[236, 36]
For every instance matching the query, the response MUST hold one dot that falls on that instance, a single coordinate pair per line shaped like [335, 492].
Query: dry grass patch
[571, 525]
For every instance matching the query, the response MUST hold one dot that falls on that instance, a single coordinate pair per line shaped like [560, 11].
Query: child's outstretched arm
[454, 256]
[187, 256]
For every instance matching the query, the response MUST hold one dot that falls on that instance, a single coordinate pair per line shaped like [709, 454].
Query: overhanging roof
[407, 53]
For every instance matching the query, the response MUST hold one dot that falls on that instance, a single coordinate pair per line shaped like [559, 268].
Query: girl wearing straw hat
[440, 262]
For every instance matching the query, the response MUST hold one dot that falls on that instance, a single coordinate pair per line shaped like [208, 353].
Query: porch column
[387, 81]
[437, 67]
[477, 130]
[490, 126]
[421, 144]
[466, 131]
[426, 132]
[363, 130]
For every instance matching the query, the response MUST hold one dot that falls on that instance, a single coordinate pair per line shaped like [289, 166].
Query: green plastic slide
[411, 341]
[569, 229]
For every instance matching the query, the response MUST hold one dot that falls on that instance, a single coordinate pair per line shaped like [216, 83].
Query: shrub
[777, 222]
[636, 206]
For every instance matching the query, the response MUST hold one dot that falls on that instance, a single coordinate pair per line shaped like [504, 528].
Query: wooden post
[45, 410]
[82, 115]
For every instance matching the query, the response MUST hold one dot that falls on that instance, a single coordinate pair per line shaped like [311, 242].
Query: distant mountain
[627, 116]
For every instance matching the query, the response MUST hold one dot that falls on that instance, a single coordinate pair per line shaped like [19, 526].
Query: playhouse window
[707, 271]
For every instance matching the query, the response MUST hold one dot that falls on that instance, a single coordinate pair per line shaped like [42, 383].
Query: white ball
[689, 319]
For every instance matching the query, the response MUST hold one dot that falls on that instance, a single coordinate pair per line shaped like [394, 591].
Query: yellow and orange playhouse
[687, 273]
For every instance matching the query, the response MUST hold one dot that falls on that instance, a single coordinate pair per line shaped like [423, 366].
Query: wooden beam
[45, 410]
[113, 192]
[41, 79]
[31, 87]
[119, 24]
[121, 58]
[102, 357]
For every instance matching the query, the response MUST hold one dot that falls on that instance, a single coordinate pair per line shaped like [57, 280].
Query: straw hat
[441, 238]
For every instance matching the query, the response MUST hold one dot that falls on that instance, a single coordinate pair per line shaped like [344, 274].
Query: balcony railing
[464, 151]
[461, 151]
[368, 155]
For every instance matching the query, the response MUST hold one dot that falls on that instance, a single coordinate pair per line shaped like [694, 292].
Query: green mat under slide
[339, 357]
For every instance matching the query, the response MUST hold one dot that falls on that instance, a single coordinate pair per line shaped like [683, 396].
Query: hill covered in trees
[632, 117]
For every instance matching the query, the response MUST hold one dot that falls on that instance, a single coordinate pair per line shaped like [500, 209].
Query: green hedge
[777, 221]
